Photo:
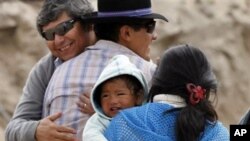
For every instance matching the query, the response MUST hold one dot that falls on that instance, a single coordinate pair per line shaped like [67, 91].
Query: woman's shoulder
[145, 111]
[215, 131]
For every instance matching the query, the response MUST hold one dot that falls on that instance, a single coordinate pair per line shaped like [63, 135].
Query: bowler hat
[122, 10]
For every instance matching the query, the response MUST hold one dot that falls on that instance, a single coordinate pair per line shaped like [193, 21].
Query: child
[121, 85]
[182, 85]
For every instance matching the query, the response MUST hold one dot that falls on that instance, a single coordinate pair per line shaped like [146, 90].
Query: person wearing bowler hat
[122, 27]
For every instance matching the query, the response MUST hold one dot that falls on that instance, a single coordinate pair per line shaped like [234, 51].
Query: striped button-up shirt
[78, 75]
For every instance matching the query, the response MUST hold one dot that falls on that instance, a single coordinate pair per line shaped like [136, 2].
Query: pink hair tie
[197, 93]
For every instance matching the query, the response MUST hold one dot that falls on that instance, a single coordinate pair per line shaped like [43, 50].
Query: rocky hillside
[221, 28]
[20, 48]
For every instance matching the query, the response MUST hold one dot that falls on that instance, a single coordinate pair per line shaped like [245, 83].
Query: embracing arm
[28, 112]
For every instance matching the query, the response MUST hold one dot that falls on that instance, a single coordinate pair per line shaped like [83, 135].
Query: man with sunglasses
[66, 36]
[122, 27]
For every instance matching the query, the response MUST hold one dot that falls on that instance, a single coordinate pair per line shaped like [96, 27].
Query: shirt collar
[106, 44]
[57, 62]
[171, 99]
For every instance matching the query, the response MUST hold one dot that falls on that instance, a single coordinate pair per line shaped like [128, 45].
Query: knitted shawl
[151, 123]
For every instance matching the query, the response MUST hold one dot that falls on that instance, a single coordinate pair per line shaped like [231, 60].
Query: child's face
[116, 96]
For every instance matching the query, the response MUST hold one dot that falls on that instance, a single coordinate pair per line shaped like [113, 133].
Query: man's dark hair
[52, 9]
[110, 30]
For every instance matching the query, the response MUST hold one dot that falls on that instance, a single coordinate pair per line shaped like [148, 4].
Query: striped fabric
[79, 75]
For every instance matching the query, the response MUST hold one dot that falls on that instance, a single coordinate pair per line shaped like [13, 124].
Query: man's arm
[28, 112]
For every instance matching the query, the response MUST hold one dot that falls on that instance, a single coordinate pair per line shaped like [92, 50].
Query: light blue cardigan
[150, 122]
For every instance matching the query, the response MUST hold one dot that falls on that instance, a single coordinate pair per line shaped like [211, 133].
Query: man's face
[140, 40]
[66, 43]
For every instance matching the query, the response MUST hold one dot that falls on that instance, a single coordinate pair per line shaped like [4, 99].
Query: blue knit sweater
[148, 122]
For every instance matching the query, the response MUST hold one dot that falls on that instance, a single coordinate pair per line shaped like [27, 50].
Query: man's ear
[140, 97]
[125, 33]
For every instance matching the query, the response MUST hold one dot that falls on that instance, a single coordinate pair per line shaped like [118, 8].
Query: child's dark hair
[132, 83]
[179, 67]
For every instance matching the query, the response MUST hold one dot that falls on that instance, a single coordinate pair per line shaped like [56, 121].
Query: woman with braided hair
[179, 107]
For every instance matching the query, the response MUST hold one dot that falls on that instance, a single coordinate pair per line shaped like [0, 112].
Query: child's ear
[140, 97]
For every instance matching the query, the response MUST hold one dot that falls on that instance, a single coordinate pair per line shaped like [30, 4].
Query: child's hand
[85, 105]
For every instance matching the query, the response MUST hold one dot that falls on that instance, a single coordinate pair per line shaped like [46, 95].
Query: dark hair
[132, 83]
[110, 30]
[179, 66]
[52, 9]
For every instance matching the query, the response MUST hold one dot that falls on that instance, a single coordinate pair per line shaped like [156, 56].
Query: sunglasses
[60, 29]
[148, 25]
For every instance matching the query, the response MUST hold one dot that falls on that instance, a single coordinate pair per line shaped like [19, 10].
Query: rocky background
[221, 28]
